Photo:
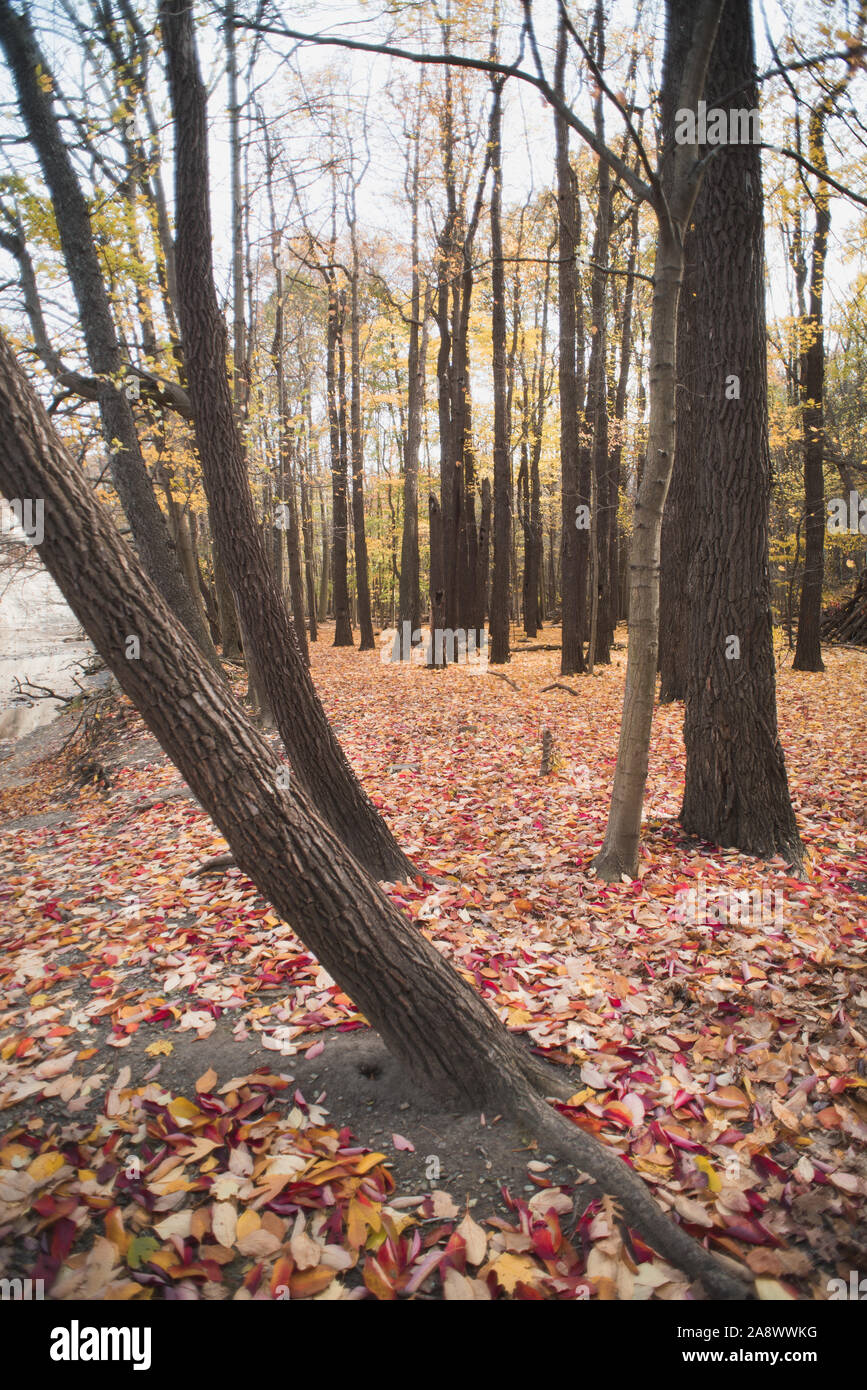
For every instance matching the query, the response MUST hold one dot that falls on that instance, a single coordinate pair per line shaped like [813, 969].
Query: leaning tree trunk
[736, 790]
[317, 758]
[434, 1021]
[128, 472]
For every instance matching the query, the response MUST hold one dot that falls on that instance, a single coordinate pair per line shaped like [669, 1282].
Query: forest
[436, 867]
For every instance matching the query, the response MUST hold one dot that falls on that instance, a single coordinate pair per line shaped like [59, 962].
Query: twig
[558, 686]
[501, 677]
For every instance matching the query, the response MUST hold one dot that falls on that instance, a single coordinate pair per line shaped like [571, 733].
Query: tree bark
[619, 853]
[736, 790]
[318, 760]
[499, 619]
[128, 472]
[571, 577]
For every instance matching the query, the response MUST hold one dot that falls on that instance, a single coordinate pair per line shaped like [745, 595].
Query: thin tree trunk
[499, 622]
[340, 524]
[356, 449]
[572, 654]
[808, 648]
[619, 852]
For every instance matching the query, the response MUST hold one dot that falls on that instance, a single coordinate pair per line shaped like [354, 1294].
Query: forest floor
[190, 1107]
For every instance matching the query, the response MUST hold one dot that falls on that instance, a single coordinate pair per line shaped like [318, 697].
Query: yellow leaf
[713, 1181]
[43, 1167]
[510, 1268]
[161, 1048]
[248, 1222]
[183, 1109]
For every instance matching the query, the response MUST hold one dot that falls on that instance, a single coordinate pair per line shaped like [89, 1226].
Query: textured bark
[680, 523]
[571, 578]
[229, 629]
[128, 472]
[317, 758]
[499, 619]
[736, 790]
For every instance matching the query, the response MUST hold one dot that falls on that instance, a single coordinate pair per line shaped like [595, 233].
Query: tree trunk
[499, 620]
[128, 472]
[736, 790]
[409, 589]
[808, 648]
[339, 520]
[571, 578]
[619, 853]
[362, 576]
[318, 760]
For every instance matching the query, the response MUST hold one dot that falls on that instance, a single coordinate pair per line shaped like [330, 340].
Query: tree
[318, 760]
[574, 538]
[736, 787]
[430, 1017]
[499, 621]
[34, 86]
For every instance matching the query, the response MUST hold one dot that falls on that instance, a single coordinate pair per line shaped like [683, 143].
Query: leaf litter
[721, 1053]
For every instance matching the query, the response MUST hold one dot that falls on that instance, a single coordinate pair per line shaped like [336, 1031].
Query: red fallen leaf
[767, 1167]
[455, 1254]
[403, 1145]
[544, 1243]
[526, 1293]
[674, 1135]
[750, 1232]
